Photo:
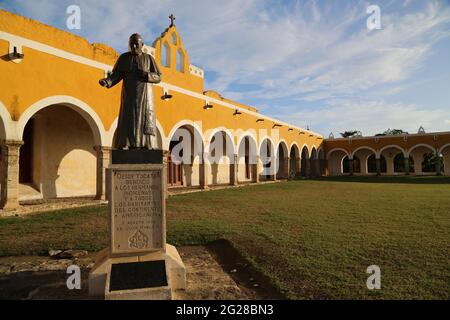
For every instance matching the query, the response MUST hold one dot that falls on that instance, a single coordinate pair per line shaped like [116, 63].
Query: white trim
[181, 124]
[418, 146]
[313, 147]
[294, 143]
[283, 141]
[391, 146]
[98, 130]
[307, 149]
[246, 134]
[272, 145]
[212, 133]
[53, 51]
[8, 124]
[363, 147]
[443, 147]
[337, 149]
[105, 67]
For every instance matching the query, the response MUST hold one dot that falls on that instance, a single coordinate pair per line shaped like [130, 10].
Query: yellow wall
[40, 75]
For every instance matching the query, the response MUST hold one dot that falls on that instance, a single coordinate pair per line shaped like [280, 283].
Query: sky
[309, 63]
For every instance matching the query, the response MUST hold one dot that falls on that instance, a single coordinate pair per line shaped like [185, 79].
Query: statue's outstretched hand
[103, 82]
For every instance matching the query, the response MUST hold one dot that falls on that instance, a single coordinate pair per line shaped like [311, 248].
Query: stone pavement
[45, 278]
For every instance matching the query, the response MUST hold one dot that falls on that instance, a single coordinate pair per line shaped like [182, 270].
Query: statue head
[136, 43]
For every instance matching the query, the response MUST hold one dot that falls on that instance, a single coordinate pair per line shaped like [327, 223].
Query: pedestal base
[100, 276]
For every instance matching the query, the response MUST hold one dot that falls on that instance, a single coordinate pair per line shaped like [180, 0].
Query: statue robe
[137, 124]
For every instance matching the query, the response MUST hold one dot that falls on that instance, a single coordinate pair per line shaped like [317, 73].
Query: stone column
[273, 167]
[438, 164]
[234, 170]
[203, 172]
[256, 170]
[317, 172]
[287, 167]
[297, 166]
[417, 164]
[10, 174]
[389, 165]
[446, 160]
[166, 154]
[350, 166]
[407, 166]
[378, 164]
[308, 167]
[363, 164]
[103, 161]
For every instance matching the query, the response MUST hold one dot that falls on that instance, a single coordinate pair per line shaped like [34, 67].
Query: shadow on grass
[242, 271]
[388, 179]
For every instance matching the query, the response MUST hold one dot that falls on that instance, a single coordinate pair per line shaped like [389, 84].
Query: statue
[137, 124]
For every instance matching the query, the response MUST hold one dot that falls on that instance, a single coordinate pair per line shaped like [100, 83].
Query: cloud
[294, 55]
[370, 117]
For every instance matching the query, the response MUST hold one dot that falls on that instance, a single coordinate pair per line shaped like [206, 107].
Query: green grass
[313, 238]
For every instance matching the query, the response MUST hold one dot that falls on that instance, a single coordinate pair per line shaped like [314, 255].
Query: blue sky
[305, 62]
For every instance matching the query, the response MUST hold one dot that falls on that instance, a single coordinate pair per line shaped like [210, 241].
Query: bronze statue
[138, 70]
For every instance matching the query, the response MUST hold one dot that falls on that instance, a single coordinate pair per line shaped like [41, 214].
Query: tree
[392, 132]
[347, 134]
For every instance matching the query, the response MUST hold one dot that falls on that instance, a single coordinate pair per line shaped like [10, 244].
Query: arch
[6, 123]
[183, 123]
[314, 153]
[294, 147]
[174, 38]
[246, 134]
[345, 165]
[420, 145]
[214, 132]
[308, 152]
[294, 165]
[391, 146]
[336, 149]
[272, 144]
[321, 153]
[165, 55]
[282, 154]
[399, 164]
[94, 121]
[182, 164]
[352, 154]
[247, 158]
[283, 143]
[268, 157]
[180, 60]
[443, 148]
[57, 158]
[372, 166]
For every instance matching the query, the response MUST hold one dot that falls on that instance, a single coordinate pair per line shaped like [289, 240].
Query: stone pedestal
[138, 264]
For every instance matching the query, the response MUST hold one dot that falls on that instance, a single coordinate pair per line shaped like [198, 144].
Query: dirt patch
[215, 272]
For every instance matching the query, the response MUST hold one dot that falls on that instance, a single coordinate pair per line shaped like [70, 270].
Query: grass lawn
[314, 238]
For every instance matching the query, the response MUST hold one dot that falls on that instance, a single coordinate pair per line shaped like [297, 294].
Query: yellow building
[57, 124]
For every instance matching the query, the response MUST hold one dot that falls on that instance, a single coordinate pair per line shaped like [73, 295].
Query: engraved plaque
[137, 211]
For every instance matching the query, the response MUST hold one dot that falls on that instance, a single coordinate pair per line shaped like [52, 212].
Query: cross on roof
[172, 19]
